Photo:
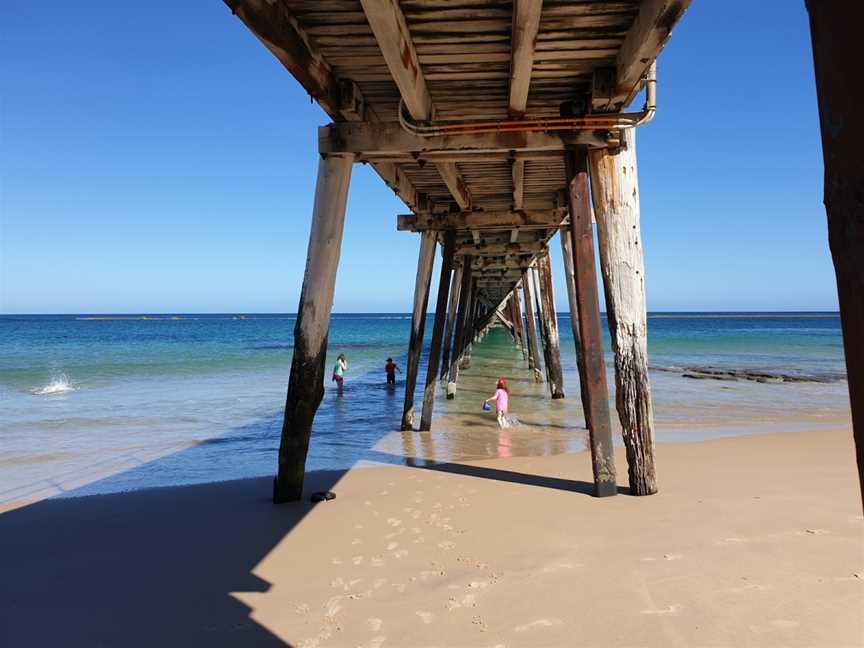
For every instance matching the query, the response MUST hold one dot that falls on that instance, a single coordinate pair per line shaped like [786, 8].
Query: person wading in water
[390, 369]
[502, 400]
[339, 370]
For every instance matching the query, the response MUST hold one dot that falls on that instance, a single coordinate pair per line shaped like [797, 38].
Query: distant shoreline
[252, 315]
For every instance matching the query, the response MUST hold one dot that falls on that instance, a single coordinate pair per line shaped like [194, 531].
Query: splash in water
[59, 385]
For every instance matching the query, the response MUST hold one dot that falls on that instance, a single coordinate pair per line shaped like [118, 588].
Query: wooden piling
[570, 282]
[308, 370]
[523, 332]
[835, 32]
[418, 322]
[615, 191]
[533, 351]
[451, 319]
[588, 309]
[437, 330]
[553, 340]
[461, 317]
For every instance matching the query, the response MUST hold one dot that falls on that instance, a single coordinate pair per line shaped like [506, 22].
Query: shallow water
[100, 405]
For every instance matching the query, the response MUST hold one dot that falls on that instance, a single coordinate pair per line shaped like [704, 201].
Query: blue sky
[157, 158]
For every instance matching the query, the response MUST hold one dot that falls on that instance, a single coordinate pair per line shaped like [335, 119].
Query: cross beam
[477, 220]
[370, 138]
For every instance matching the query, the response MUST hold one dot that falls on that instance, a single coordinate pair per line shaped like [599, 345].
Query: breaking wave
[59, 385]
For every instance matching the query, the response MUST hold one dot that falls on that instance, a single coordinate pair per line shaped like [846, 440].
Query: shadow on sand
[158, 567]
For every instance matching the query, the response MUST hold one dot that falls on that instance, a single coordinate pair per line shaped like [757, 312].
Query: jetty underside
[487, 118]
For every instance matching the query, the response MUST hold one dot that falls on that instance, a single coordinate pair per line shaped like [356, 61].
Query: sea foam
[59, 385]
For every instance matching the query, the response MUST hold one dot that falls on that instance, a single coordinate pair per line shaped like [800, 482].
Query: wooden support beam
[452, 177]
[526, 23]
[475, 234]
[645, 39]
[451, 319]
[523, 331]
[499, 249]
[437, 331]
[469, 328]
[306, 381]
[461, 319]
[418, 321]
[279, 31]
[446, 155]
[397, 47]
[570, 281]
[541, 321]
[391, 31]
[615, 190]
[483, 220]
[517, 171]
[835, 30]
[552, 342]
[371, 139]
[533, 351]
[594, 376]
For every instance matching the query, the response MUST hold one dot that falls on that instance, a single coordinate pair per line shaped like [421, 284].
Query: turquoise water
[89, 404]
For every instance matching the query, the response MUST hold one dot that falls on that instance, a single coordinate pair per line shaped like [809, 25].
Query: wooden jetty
[487, 118]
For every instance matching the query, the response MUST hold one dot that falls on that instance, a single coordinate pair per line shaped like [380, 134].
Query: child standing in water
[390, 369]
[339, 370]
[501, 398]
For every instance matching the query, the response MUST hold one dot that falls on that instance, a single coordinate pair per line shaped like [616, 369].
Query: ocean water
[94, 404]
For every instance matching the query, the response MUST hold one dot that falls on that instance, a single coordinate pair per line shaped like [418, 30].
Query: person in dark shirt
[390, 368]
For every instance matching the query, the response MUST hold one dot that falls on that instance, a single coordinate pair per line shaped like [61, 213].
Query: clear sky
[155, 157]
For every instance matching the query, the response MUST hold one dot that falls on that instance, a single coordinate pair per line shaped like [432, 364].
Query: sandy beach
[752, 541]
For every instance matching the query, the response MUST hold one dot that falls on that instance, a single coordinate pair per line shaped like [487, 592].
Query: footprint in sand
[749, 587]
[478, 584]
[337, 561]
[378, 583]
[671, 556]
[377, 562]
[446, 544]
[399, 587]
[374, 624]
[539, 623]
[332, 606]
[358, 526]
[401, 553]
[356, 541]
[425, 617]
[392, 546]
[672, 609]
[394, 522]
[302, 609]
[812, 532]
[357, 560]
[733, 540]
[375, 642]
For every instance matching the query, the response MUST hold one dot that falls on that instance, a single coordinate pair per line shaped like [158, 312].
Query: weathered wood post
[835, 30]
[593, 374]
[306, 381]
[451, 319]
[437, 330]
[570, 280]
[468, 329]
[533, 351]
[550, 324]
[418, 322]
[523, 333]
[615, 190]
[464, 295]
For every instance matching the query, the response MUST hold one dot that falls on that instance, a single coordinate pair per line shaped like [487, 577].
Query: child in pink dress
[502, 399]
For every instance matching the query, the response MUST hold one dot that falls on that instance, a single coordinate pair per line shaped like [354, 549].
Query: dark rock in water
[710, 373]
